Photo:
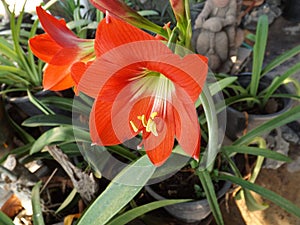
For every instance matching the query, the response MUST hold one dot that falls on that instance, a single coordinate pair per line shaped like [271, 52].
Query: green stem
[212, 124]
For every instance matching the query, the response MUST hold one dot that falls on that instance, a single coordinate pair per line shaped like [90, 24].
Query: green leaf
[208, 158]
[126, 217]
[148, 13]
[67, 201]
[59, 135]
[268, 194]
[4, 219]
[211, 196]
[118, 193]
[18, 152]
[289, 116]
[240, 98]
[60, 102]
[40, 105]
[26, 137]
[36, 205]
[261, 37]
[14, 70]
[278, 81]
[281, 59]
[78, 23]
[6, 49]
[221, 84]
[252, 204]
[47, 120]
[267, 153]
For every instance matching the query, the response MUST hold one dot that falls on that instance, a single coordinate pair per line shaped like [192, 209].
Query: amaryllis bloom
[60, 48]
[121, 10]
[178, 7]
[141, 87]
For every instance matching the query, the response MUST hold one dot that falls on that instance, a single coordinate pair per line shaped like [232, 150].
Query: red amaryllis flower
[141, 86]
[60, 48]
[178, 8]
[119, 9]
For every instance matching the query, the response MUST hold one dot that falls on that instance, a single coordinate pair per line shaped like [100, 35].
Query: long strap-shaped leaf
[141, 210]
[209, 156]
[289, 116]
[4, 219]
[261, 37]
[36, 205]
[272, 196]
[211, 196]
[119, 192]
[281, 59]
[56, 135]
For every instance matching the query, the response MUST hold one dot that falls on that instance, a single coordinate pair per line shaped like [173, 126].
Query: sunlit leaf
[268, 194]
[126, 217]
[118, 193]
[36, 205]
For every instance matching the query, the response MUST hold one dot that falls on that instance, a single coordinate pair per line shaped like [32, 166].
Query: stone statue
[217, 38]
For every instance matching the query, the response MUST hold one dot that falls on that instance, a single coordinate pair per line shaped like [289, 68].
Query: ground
[283, 35]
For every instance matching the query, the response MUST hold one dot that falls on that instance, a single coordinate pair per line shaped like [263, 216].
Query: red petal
[203, 58]
[124, 61]
[77, 70]
[187, 125]
[57, 30]
[109, 125]
[65, 56]
[116, 33]
[159, 148]
[39, 45]
[188, 72]
[57, 78]
[101, 130]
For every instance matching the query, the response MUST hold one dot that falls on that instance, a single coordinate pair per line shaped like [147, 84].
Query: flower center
[149, 125]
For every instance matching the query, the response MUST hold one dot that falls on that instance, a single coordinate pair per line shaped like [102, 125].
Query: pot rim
[288, 102]
[220, 194]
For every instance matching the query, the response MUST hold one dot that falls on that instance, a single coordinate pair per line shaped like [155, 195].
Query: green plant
[111, 206]
[19, 69]
[250, 94]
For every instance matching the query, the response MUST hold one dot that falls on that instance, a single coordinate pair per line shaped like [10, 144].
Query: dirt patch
[281, 181]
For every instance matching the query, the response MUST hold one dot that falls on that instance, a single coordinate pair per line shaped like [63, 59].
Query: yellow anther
[135, 129]
[151, 127]
[142, 118]
[153, 115]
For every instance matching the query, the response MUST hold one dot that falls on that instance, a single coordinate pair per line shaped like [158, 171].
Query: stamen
[150, 125]
[153, 115]
[107, 17]
[142, 118]
[135, 129]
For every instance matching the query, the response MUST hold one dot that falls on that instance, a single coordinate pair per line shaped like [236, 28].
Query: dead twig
[84, 183]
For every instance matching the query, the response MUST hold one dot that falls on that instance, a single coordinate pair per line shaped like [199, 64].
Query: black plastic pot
[7, 133]
[24, 106]
[291, 10]
[239, 122]
[23, 103]
[190, 212]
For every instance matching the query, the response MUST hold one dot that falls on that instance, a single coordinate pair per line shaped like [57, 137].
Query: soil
[284, 181]
[185, 184]
[273, 105]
